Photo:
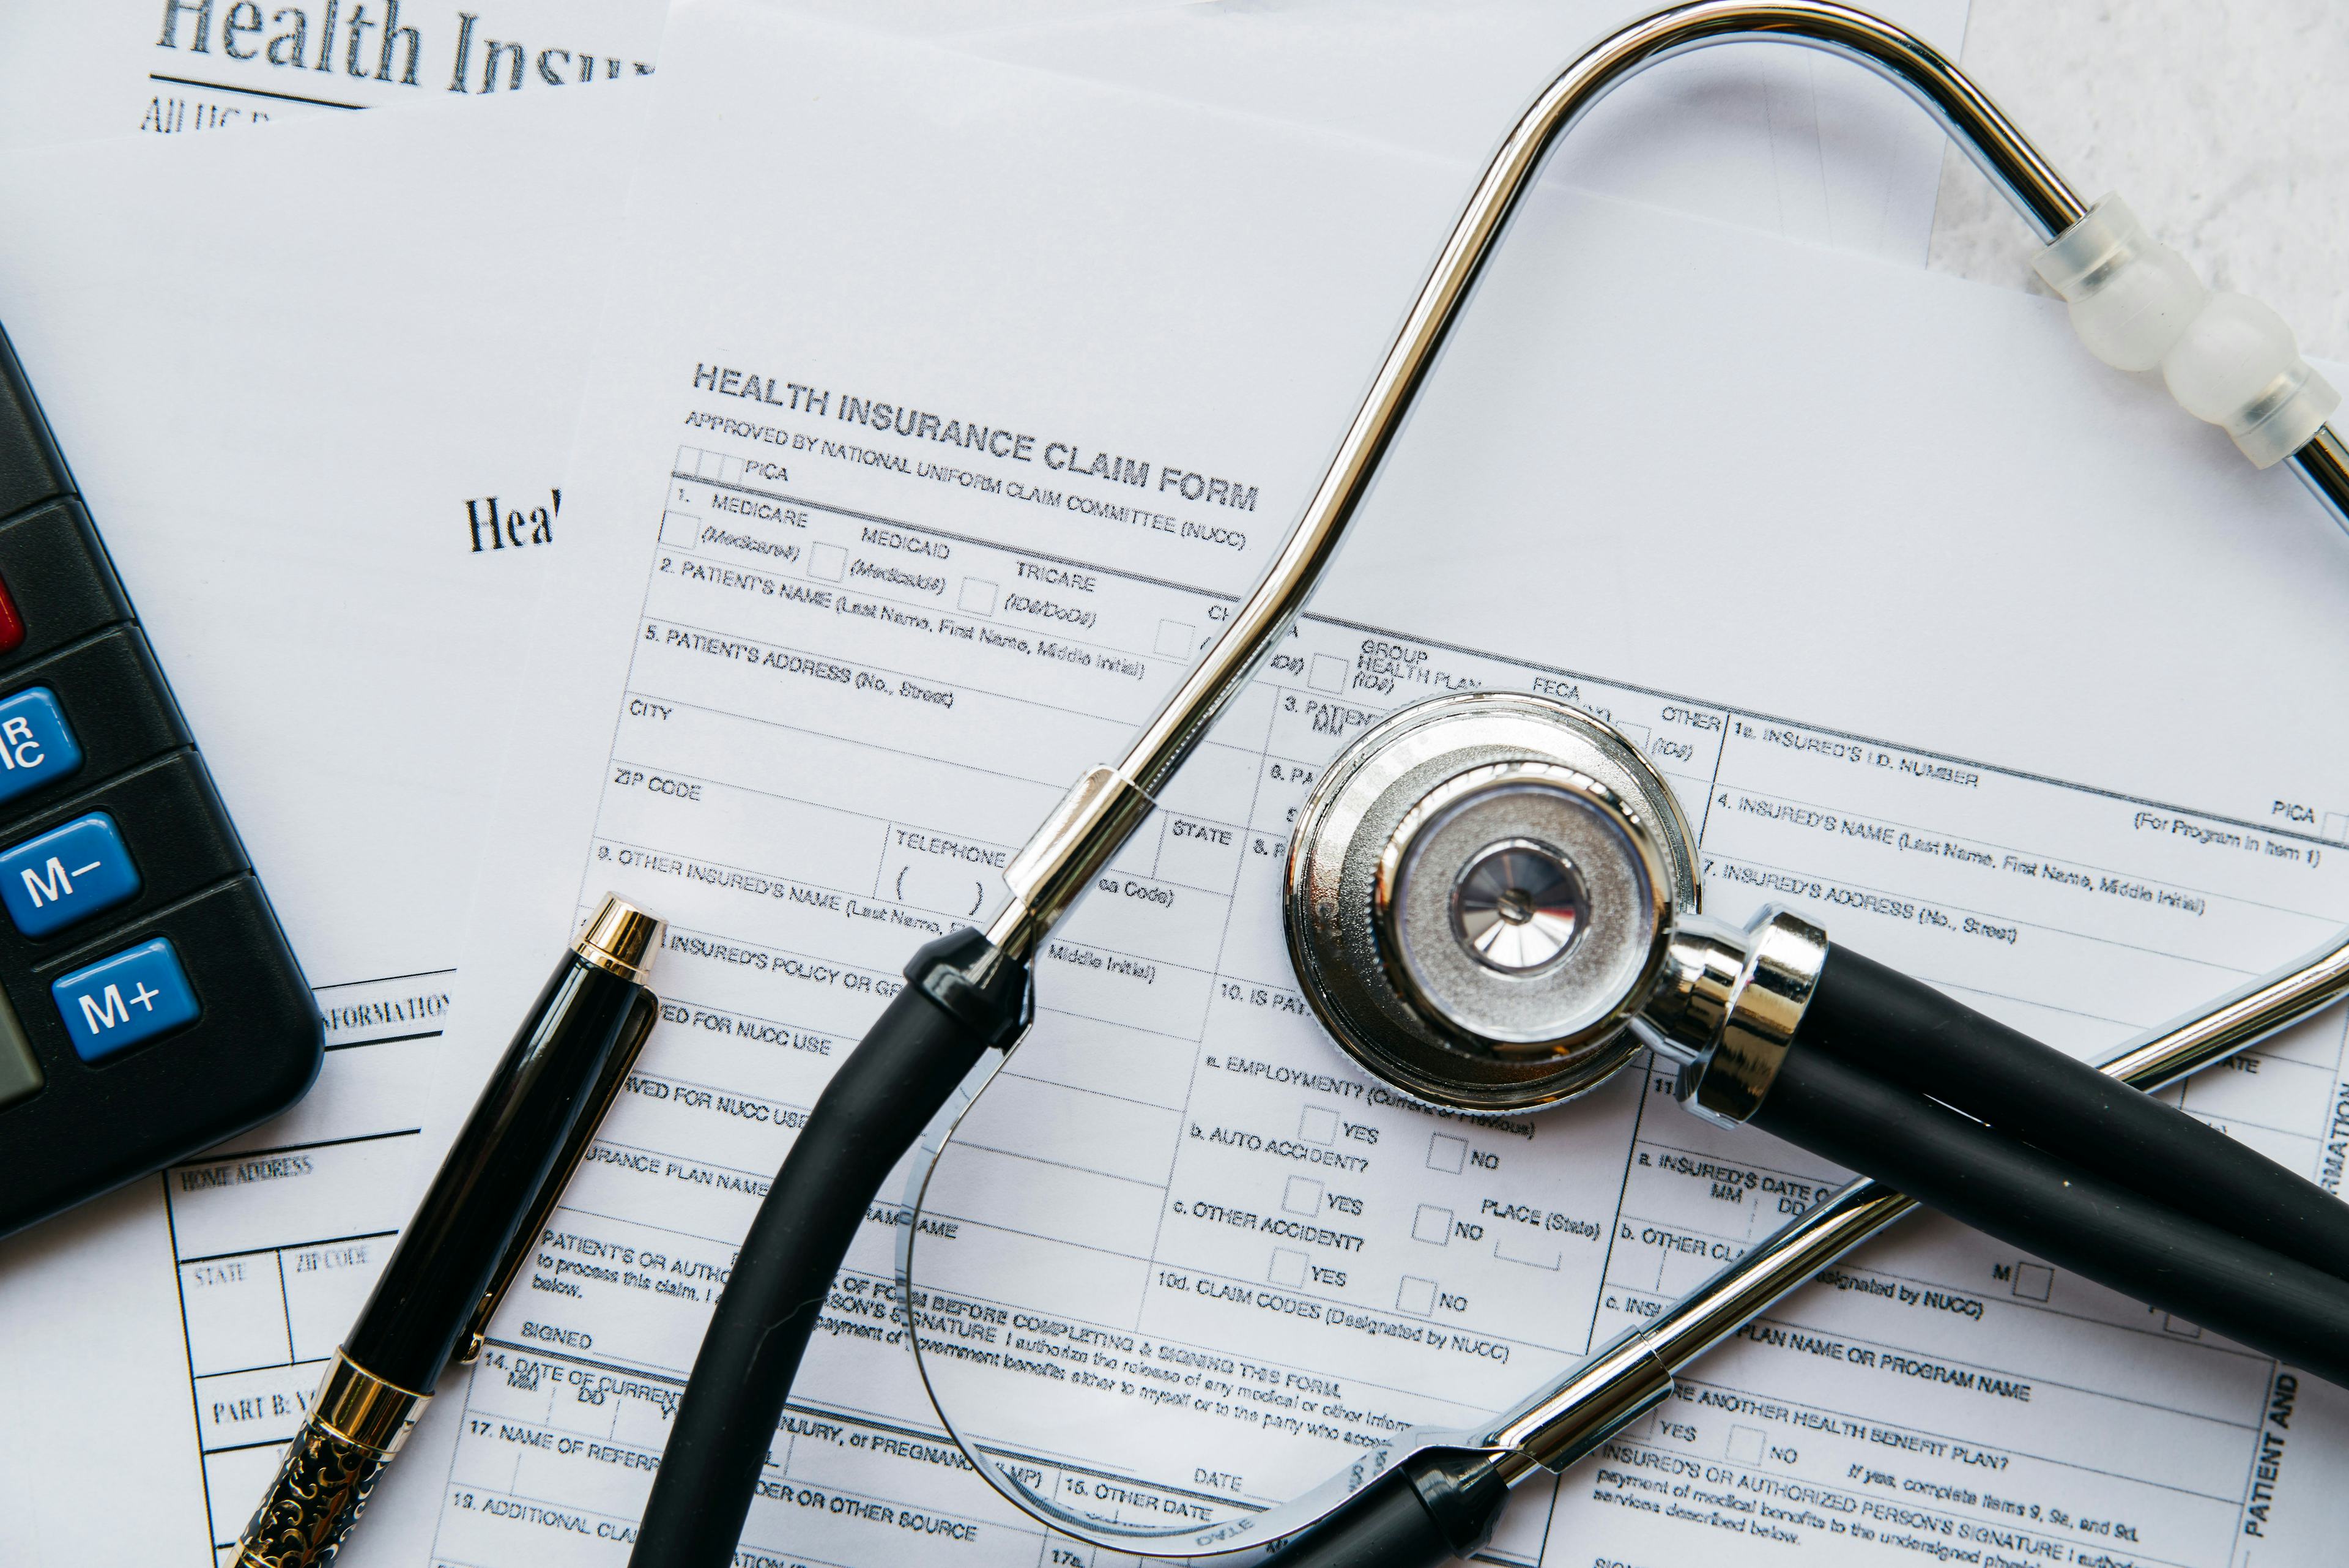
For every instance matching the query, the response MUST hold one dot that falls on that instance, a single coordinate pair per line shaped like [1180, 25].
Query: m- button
[117, 1002]
[66, 875]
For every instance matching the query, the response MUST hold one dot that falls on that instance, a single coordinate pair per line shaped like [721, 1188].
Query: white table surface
[2223, 123]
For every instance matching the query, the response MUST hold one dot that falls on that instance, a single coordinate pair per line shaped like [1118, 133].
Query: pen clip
[600, 1094]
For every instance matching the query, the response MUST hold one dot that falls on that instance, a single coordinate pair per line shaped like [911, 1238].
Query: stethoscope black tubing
[921, 1048]
[2061, 1211]
[907, 1065]
[1902, 1029]
[1439, 1505]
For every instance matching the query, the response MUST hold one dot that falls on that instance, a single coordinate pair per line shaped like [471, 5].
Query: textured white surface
[2224, 122]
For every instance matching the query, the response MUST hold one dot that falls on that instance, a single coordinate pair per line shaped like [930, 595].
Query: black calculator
[148, 1002]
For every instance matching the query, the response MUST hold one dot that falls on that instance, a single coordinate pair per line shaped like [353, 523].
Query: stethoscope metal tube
[1627, 1377]
[977, 989]
[1621, 1380]
[1553, 1428]
[2323, 466]
[1105, 807]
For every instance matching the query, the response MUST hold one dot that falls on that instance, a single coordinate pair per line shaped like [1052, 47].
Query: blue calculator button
[116, 1003]
[35, 744]
[66, 875]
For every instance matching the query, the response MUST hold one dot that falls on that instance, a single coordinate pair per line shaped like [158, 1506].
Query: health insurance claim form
[1947, 638]
[209, 1300]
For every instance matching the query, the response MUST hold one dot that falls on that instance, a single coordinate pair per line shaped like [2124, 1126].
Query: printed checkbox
[2033, 1281]
[2173, 1323]
[829, 562]
[1177, 638]
[681, 530]
[1327, 674]
[1530, 1247]
[1303, 1195]
[1317, 1125]
[1431, 1224]
[977, 597]
[1745, 1445]
[2336, 827]
[1417, 1296]
[1287, 1267]
[1447, 1153]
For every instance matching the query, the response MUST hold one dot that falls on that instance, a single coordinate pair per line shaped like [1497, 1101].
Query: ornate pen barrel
[357, 1424]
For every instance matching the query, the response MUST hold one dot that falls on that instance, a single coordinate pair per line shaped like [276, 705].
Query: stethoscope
[1492, 904]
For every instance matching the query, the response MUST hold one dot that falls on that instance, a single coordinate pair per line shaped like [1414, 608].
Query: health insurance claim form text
[102, 69]
[1947, 638]
[276, 1240]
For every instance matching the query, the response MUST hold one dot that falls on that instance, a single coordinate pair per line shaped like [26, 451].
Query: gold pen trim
[619, 938]
[356, 1422]
[361, 1409]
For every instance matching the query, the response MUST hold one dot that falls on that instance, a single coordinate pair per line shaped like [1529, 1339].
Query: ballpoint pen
[468, 1238]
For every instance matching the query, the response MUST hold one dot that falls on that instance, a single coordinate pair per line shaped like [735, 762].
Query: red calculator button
[12, 625]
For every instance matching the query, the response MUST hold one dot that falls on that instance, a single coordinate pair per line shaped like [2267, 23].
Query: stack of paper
[702, 338]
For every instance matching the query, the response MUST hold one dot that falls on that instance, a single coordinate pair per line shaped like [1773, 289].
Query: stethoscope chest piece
[1481, 893]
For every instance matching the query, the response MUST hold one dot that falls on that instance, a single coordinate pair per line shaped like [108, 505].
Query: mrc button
[117, 1002]
[36, 743]
[66, 875]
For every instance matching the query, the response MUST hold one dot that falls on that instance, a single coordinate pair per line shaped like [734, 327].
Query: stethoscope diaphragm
[1480, 895]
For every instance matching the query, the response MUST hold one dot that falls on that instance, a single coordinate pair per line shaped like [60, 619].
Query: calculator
[148, 1002]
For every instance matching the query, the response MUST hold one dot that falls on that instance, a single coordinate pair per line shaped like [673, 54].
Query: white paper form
[290, 435]
[1949, 639]
[1782, 139]
[293, 435]
[270, 1269]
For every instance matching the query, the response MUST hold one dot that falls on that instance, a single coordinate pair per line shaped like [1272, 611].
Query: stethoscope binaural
[1492, 903]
